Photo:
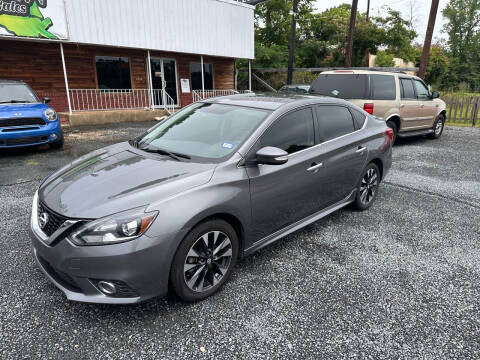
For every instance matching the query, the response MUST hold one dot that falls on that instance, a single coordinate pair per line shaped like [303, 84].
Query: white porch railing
[120, 99]
[198, 95]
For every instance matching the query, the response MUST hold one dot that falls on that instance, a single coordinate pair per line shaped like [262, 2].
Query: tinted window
[196, 76]
[359, 118]
[422, 91]
[407, 89]
[291, 133]
[383, 87]
[113, 72]
[334, 121]
[345, 86]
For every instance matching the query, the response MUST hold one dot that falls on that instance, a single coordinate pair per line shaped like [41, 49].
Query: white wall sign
[33, 18]
[185, 85]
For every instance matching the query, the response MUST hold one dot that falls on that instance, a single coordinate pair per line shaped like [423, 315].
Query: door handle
[422, 105]
[314, 167]
[360, 149]
[402, 105]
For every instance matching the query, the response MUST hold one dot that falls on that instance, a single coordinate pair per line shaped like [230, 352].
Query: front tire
[438, 127]
[367, 188]
[204, 260]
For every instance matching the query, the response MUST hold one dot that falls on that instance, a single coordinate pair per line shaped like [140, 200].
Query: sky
[421, 7]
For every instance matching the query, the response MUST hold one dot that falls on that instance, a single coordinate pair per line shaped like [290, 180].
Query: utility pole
[367, 55]
[428, 39]
[291, 50]
[351, 29]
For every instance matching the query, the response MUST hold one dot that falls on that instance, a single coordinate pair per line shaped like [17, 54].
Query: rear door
[383, 94]
[344, 151]
[409, 105]
[282, 194]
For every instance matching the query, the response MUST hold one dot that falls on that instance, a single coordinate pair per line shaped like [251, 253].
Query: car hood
[118, 178]
[22, 110]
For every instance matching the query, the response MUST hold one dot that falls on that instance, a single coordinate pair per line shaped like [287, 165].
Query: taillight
[389, 134]
[368, 107]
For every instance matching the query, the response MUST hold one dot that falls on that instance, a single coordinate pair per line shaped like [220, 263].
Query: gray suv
[216, 181]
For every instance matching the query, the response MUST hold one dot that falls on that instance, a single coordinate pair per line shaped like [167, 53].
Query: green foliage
[383, 59]
[321, 37]
[462, 28]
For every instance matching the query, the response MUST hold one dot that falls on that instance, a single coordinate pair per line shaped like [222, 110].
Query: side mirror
[435, 95]
[46, 100]
[270, 155]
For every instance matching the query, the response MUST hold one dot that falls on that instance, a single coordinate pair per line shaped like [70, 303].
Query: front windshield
[16, 93]
[204, 130]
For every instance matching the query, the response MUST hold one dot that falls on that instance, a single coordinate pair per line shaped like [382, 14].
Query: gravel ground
[397, 281]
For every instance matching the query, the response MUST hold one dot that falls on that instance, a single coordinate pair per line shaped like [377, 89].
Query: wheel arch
[379, 163]
[396, 119]
[231, 219]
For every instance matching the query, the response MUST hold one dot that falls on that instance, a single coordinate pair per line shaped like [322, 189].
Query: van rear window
[344, 86]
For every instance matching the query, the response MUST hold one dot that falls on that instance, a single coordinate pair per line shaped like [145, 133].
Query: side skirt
[414, 133]
[300, 224]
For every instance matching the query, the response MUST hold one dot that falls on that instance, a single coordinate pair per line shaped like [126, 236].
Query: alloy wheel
[368, 187]
[207, 261]
[439, 127]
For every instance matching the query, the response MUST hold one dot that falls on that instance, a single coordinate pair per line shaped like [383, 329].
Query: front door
[427, 107]
[164, 76]
[282, 194]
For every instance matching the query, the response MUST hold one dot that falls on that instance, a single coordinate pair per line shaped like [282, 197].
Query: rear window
[359, 118]
[383, 87]
[344, 86]
[406, 87]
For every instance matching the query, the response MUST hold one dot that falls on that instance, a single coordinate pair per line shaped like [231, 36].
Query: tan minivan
[404, 101]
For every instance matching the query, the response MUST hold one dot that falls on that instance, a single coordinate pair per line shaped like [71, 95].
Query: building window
[196, 76]
[113, 72]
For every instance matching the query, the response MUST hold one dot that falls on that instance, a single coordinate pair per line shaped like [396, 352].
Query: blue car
[24, 119]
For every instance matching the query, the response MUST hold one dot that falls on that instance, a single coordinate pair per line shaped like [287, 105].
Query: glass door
[164, 76]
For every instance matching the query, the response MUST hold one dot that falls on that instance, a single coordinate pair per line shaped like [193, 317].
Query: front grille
[54, 220]
[123, 290]
[62, 278]
[24, 140]
[21, 121]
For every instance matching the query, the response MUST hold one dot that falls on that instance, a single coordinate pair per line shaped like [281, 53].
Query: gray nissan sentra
[216, 181]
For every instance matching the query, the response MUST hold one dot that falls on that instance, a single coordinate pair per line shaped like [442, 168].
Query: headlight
[50, 114]
[113, 229]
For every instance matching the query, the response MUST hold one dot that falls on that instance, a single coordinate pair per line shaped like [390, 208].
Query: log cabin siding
[39, 64]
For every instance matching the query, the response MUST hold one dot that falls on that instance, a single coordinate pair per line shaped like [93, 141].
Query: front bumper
[141, 265]
[36, 135]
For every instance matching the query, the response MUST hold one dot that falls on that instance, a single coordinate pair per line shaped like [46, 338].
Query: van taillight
[368, 107]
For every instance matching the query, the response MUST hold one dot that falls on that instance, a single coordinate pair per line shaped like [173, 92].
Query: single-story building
[111, 56]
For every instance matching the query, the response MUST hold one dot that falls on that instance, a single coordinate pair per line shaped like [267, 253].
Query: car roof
[6, 81]
[272, 101]
[375, 72]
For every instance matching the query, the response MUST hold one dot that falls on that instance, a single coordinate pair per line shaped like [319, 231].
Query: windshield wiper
[173, 155]
[14, 101]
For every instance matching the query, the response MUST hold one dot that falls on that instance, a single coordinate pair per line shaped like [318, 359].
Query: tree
[291, 46]
[383, 59]
[462, 28]
[351, 30]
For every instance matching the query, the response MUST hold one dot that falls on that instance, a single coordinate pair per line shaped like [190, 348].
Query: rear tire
[438, 127]
[204, 260]
[367, 187]
[392, 125]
